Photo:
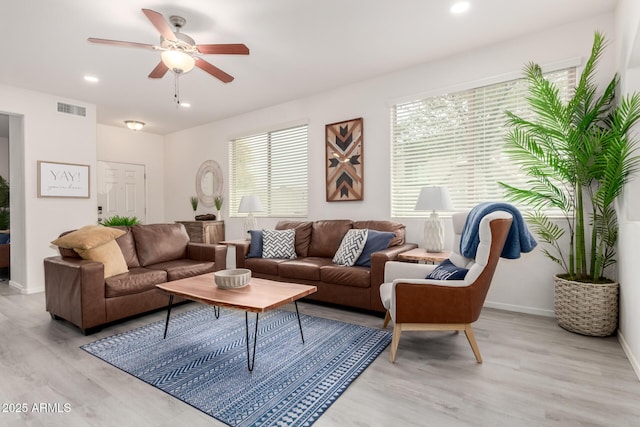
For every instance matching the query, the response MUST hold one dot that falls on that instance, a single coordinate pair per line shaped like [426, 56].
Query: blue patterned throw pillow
[446, 270]
[279, 244]
[351, 247]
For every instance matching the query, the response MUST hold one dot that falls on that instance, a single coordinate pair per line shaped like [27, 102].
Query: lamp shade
[250, 204]
[177, 61]
[434, 199]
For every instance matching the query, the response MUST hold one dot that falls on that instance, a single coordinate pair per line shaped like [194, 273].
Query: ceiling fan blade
[159, 71]
[119, 43]
[160, 23]
[225, 49]
[214, 71]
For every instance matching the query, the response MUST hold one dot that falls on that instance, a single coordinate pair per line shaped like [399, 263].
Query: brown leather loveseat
[76, 289]
[316, 242]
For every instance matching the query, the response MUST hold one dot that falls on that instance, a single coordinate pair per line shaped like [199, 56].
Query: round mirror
[209, 182]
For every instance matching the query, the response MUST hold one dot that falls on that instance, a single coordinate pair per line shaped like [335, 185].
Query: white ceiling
[298, 48]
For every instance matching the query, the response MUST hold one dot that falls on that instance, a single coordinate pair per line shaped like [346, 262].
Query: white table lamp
[250, 204]
[433, 199]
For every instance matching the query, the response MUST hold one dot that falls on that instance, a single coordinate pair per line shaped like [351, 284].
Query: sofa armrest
[75, 290]
[378, 261]
[242, 250]
[208, 252]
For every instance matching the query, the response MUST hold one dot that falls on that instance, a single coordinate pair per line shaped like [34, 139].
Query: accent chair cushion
[278, 244]
[108, 254]
[446, 270]
[88, 237]
[376, 241]
[351, 247]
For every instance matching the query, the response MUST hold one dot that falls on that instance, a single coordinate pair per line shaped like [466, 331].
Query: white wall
[628, 46]
[523, 285]
[126, 146]
[52, 136]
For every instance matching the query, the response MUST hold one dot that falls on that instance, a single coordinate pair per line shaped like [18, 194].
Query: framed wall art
[63, 180]
[344, 162]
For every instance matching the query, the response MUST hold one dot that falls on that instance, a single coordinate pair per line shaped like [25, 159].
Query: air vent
[76, 110]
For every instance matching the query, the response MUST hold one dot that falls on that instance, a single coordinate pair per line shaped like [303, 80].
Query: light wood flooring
[534, 374]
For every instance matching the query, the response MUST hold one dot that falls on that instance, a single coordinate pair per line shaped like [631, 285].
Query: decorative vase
[586, 308]
[219, 215]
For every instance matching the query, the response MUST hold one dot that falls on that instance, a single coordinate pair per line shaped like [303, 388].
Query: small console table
[204, 231]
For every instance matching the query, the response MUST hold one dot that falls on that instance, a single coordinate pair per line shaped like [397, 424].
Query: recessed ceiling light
[185, 104]
[92, 79]
[460, 7]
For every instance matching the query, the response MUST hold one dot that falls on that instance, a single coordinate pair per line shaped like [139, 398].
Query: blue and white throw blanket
[519, 238]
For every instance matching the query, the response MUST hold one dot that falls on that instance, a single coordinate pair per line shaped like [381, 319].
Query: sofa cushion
[278, 244]
[304, 268]
[128, 247]
[109, 254]
[157, 243]
[326, 237]
[348, 276]
[376, 241]
[87, 237]
[182, 268]
[137, 280]
[390, 226]
[303, 234]
[263, 265]
[351, 247]
[255, 247]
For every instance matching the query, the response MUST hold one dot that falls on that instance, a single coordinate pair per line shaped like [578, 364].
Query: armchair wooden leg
[395, 340]
[468, 331]
[387, 318]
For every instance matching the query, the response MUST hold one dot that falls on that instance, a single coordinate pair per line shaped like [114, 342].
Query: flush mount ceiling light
[91, 79]
[134, 124]
[460, 7]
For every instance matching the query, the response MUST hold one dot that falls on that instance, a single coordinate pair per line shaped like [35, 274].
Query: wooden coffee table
[259, 296]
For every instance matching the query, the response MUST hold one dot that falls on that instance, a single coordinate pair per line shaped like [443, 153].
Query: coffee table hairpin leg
[216, 312]
[251, 358]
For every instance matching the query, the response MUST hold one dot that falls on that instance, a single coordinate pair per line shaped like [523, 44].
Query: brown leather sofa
[77, 291]
[316, 243]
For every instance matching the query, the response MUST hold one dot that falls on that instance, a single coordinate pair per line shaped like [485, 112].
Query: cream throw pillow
[88, 237]
[108, 254]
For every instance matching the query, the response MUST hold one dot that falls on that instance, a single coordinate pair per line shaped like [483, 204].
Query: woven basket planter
[586, 308]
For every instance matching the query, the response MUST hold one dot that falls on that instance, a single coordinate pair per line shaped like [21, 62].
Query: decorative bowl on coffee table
[233, 278]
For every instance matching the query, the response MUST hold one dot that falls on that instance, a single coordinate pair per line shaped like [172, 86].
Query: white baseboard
[520, 309]
[627, 351]
[22, 290]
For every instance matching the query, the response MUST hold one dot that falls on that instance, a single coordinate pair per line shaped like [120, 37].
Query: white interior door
[121, 190]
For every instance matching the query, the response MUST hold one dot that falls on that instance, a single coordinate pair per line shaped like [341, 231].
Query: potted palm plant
[578, 155]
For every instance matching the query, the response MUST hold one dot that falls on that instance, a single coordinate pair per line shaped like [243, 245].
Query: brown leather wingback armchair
[418, 304]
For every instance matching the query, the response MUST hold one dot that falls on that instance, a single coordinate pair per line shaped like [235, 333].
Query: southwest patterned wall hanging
[344, 161]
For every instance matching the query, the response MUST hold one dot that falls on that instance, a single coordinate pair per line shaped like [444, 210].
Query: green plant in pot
[578, 155]
[217, 200]
[194, 203]
[118, 220]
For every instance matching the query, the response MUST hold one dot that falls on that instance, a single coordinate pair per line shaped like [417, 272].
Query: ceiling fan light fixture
[134, 124]
[178, 61]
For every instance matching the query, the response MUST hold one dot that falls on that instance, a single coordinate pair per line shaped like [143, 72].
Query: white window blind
[457, 140]
[273, 166]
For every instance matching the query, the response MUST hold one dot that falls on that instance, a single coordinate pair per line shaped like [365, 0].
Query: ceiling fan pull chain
[176, 90]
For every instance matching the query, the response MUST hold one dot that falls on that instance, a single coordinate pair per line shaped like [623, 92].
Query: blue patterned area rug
[203, 362]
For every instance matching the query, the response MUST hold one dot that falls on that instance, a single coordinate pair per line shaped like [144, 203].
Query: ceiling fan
[180, 53]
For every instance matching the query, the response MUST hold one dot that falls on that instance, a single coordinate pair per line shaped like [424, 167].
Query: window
[456, 140]
[273, 166]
